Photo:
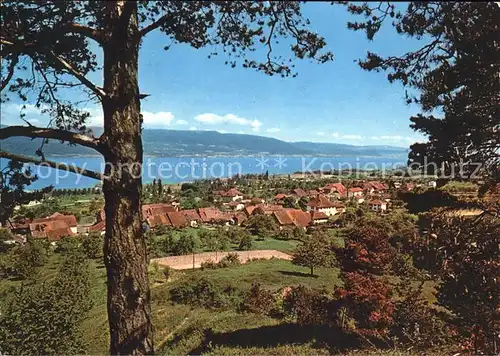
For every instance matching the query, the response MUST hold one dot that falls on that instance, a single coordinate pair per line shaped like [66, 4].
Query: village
[230, 204]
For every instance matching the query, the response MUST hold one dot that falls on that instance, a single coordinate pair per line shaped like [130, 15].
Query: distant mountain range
[212, 143]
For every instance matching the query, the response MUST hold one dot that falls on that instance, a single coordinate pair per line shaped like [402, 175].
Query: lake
[183, 169]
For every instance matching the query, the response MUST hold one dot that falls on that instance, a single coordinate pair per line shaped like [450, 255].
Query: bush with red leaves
[366, 302]
[367, 250]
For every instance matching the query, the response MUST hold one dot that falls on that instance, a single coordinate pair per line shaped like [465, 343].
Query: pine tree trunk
[129, 310]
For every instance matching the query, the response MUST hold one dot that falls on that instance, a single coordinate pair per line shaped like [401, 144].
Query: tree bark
[129, 309]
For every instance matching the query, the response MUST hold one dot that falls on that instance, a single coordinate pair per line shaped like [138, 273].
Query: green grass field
[179, 329]
[267, 243]
[182, 329]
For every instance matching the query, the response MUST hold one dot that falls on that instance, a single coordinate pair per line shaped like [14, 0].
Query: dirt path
[187, 261]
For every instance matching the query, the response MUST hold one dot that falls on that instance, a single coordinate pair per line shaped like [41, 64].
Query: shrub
[402, 266]
[231, 259]
[285, 234]
[367, 301]
[367, 249]
[308, 306]
[67, 245]
[209, 265]
[203, 293]
[259, 300]
[415, 323]
[245, 242]
[93, 246]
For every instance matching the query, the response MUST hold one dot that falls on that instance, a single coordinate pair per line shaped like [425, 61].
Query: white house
[377, 205]
[324, 205]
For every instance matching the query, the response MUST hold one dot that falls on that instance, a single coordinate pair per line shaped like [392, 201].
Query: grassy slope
[179, 328]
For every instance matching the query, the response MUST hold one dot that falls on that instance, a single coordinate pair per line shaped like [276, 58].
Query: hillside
[338, 149]
[159, 142]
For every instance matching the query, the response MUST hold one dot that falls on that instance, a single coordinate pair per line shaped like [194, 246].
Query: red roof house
[339, 188]
[292, 217]
[191, 215]
[98, 227]
[149, 210]
[280, 196]
[177, 219]
[157, 220]
[299, 192]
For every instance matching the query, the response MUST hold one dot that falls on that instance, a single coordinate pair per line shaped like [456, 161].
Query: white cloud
[192, 128]
[181, 122]
[335, 135]
[256, 124]
[157, 119]
[273, 129]
[241, 132]
[214, 119]
[320, 133]
[222, 131]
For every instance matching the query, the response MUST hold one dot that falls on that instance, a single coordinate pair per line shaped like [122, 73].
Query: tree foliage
[471, 260]
[314, 251]
[261, 225]
[27, 258]
[367, 250]
[45, 318]
[454, 77]
[366, 301]
[14, 178]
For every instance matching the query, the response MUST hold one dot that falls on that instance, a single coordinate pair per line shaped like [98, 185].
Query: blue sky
[332, 102]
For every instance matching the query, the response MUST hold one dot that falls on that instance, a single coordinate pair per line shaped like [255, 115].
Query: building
[374, 187]
[54, 227]
[312, 193]
[256, 200]
[337, 190]
[266, 209]
[98, 227]
[280, 197]
[192, 217]
[299, 193]
[377, 205]
[231, 194]
[235, 205]
[356, 192]
[150, 210]
[292, 218]
[323, 204]
[177, 219]
[318, 217]
[215, 216]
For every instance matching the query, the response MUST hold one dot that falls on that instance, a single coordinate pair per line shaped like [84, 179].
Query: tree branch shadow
[298, 274]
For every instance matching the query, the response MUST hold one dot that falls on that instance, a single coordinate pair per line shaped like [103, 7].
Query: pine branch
[61, 166]
[39, 132]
